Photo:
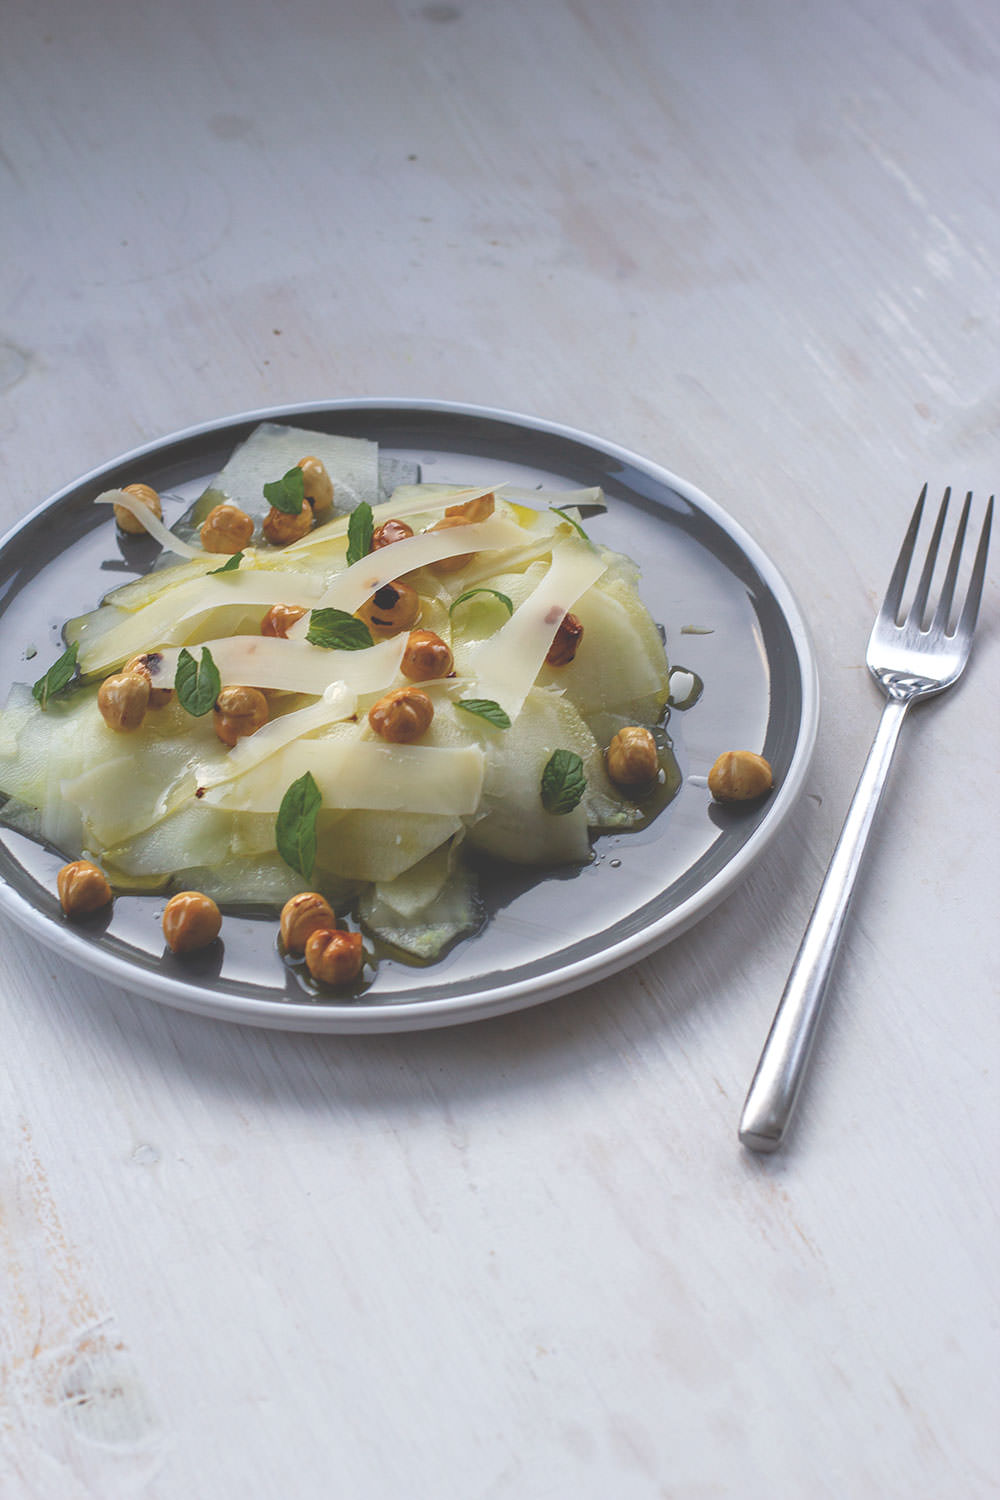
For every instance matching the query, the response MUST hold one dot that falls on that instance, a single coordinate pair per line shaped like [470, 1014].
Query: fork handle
[771, 1098]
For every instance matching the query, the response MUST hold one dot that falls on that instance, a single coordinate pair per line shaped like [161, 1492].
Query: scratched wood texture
[526, 1258]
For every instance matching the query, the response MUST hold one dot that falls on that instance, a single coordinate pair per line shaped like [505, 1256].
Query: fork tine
[970, 610]
[924, 586]
[894, 593]
[941, 614]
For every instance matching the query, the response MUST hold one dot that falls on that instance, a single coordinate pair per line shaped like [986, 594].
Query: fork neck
[876, 768]
[903, 687]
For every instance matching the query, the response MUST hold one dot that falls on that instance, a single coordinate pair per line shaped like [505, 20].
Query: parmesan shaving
[295, 666]
[406, 500]
[337, 702]
[507, 664]
[149, 522]
[350, 589]
[171, 615]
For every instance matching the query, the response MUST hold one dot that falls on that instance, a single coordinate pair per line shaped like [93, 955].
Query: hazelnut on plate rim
[83, 888]
[740, 776]
[191, 920]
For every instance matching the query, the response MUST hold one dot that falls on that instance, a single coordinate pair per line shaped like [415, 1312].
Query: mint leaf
[197, 683]
[571, 519]
[469, 593]
[485, 708]
[360, 529]
[57, 677]
[338, 631]
[229, 566]
[563, 782]
[287, 493]
[295, 825]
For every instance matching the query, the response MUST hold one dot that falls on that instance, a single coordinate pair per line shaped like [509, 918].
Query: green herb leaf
[338, 631]
[57, 677]
[469, 593]
[197, 683]
[287, 493]
[485, 708]
[295, 825]
[571, 519]
[360, 530]
[563, 782]
[229, 566]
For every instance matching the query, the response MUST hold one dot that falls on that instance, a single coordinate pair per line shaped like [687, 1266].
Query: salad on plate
[342, 693]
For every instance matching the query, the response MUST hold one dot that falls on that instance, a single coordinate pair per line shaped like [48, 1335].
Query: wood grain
[526, 1258]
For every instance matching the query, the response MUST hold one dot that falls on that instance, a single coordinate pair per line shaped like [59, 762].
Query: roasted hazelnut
[238, 711]
[402, 716]
[190, 921]
[392, 608]
[83, 888]
[148, 665]
[739, 776]
[123, 700]
[334, 957]
[451, 564]
[279, 620]
[389, 532]
[126, 520]
[303, 915]
[318, 484]
[281, 526]
[479, 509]
[632, 758]
[426, 656]
[226, 528]
[565, 642]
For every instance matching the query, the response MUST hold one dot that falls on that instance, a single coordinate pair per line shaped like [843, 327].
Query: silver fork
[909, 659]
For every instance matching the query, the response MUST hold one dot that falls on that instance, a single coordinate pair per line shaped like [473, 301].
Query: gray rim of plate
[605, 460]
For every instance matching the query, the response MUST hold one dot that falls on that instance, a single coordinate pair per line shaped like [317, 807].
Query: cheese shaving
[406, 500]
[507, 664]
[350, 589]
[170, 617]
[338, 702]
[294, 666]
[149, 522]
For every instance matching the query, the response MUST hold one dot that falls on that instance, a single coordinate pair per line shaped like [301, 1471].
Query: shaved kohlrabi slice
[620, 663]
[272, 449]
[515, 825]
[426, 908]
[354, 772]
[366, 845]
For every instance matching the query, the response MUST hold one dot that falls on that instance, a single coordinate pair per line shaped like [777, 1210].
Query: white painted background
[526, 1259]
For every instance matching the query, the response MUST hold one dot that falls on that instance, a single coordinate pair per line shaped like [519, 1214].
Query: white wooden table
[527, 1258]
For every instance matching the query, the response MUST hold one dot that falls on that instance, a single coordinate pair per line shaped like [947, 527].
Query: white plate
[546, 933]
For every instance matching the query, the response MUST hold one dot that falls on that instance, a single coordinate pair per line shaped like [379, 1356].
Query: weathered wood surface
[526, 1258]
